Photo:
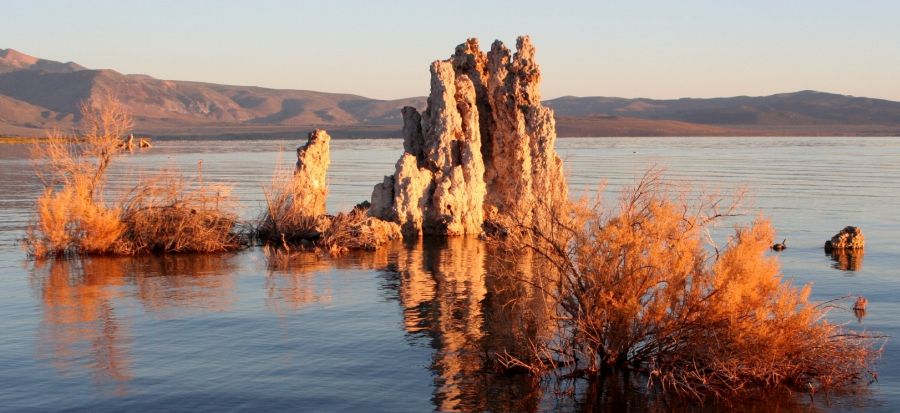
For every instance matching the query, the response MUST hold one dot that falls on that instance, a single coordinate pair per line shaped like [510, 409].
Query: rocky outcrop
[850, 238]
[483, 147]
[313, 159]
[296, 210]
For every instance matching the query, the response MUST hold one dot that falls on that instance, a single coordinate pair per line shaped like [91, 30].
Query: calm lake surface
[397, 330]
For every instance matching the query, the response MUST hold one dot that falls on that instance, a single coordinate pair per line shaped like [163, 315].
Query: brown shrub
[159, 215]
[69, 222]
[635, 290]
[356, 230]
[164, 214]
[288, 219]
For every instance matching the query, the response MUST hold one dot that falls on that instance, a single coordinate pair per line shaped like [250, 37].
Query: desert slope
[38, 94]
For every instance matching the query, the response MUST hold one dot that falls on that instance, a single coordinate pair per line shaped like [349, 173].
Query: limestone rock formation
[383, 200]
[850, 238]
[313, 159]
[483, 147]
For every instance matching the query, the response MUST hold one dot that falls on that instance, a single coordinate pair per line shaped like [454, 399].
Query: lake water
[399, 329]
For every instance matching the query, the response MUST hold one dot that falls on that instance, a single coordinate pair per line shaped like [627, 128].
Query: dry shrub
[165, 214]
[636, 290]
[70, 222]
[71, 214]
[355, 230]
[287, 218]
[158, 215]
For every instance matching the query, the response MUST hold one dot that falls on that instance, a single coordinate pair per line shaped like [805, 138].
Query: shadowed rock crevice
[483, 147]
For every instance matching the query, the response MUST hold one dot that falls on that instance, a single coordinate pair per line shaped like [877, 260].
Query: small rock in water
[779, 246]
[859, 308]
[861, 303]
[849, 238]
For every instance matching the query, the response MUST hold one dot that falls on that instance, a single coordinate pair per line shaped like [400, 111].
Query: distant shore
[18, 139]
[567, 127]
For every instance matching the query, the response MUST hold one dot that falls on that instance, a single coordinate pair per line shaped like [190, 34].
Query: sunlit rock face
[483, 147]
[313, 159]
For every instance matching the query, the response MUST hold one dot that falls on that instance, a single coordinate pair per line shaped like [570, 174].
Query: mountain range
[38, 94]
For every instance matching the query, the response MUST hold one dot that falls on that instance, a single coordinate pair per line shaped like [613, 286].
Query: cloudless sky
[381, 49]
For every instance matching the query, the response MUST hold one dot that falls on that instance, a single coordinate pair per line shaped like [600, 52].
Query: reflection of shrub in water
[846, 259]
[173, 286]
[291, 279]
[81, 297]
[636, 291]
[80, 328]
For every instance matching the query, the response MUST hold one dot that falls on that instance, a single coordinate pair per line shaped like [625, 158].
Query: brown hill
[573, 126]
[37, 94]
[12, 60]
[799, 108]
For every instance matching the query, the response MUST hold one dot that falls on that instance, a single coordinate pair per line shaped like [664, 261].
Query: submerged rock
[313, 159]
[850, 238]
[483, 146]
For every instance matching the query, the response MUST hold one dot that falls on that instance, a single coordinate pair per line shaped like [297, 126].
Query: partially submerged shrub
[157, 216]
[164, 214]
[70, 222]
[288, 218]
[635, 290]
[71, 214]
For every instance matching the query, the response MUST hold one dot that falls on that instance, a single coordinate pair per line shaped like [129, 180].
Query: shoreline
[23, 140]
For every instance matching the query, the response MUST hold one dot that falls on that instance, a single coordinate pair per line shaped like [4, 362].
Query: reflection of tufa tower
[442, 286]
[441, 290]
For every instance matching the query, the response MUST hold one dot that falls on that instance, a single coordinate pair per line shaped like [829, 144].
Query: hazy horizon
[654, 50]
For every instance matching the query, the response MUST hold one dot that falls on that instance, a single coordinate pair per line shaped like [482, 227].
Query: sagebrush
[162, 213]
[638, 289]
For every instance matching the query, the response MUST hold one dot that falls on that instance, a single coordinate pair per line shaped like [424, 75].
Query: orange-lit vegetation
[287, 221]
[287, 218]
[356, 230]
[636, 290]
[159, 214]
[165, 213]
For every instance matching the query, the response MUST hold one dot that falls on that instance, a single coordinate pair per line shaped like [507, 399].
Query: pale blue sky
[381, 49]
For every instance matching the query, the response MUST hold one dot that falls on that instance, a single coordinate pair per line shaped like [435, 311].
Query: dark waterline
[397, 330]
